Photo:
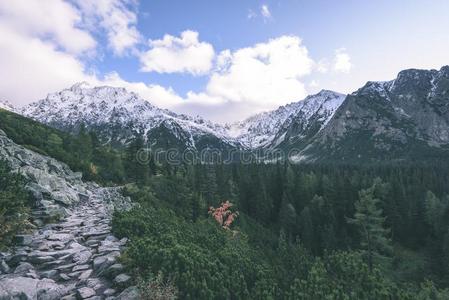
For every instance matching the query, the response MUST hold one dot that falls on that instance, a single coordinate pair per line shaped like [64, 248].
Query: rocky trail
[75, 257]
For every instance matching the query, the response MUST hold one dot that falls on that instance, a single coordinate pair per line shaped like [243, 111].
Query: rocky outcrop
[75, 256]
[403, 119]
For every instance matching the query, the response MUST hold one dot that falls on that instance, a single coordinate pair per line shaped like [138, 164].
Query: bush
[157, 288]
[204, 260]
[14, 205]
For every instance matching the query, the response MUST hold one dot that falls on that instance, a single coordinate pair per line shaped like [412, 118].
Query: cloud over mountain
[184, 54]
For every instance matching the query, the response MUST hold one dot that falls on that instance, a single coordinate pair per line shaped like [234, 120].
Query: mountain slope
[7, 106]
[401, 119]
[269, 129]
[117, 116]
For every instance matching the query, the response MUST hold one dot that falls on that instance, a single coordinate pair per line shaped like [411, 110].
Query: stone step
[77, 255]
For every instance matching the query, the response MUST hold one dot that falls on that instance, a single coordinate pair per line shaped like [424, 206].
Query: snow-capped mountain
[404, 118]
[7, 106]
[269, 129]
[118, 115]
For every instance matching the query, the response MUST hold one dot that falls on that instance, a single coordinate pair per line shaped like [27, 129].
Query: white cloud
[30, 75]
[37, 58]
[31, 68]
[251, 14]
[322, 66]
[242, 82]
[265, 11]
[314, 84]
[185, 54]
[342, 61]
[158, 95]
[41, 46]
[265, 74]
[117, 18]
[54, 21]
[253, 79]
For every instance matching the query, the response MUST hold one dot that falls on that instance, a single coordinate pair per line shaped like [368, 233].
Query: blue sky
[224, 60]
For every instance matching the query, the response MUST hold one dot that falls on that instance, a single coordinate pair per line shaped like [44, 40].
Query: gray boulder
[24, 268]
[122, 280]
[29, 288]
[4, 268]
[85, 292]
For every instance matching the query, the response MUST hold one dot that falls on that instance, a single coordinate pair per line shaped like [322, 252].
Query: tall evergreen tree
[370, 222]
[136, 162]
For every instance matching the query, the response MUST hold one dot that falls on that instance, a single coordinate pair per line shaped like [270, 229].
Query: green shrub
[14, 205]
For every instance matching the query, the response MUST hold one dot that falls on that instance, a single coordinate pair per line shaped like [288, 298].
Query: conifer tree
[136, 165]
[370, 222]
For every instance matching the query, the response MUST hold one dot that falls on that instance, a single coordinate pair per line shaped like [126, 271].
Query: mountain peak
[325, 92]
[111, 109]
[445, 70]
[98, 92]
[262, 129]
[6, 105]
[114, 111]
[80, 85]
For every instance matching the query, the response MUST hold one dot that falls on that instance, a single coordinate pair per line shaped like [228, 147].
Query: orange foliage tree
[223, 214]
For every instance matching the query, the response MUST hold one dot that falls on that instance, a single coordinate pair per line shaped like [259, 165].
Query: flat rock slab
[29, 288]
[86, 274]
[122, 280]
[85, 292]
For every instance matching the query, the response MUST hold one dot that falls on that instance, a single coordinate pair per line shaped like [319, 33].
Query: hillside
[404, 119]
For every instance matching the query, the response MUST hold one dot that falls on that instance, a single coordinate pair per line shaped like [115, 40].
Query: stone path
[72, 259]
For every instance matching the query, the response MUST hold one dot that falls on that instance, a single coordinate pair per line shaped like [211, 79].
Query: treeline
[82, 152]
[205, 261]
[322, 212]
[315, 202]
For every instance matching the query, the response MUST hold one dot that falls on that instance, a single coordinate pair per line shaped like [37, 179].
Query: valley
[103, 222]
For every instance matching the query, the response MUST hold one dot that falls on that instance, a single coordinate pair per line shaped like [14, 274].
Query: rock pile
[75, 257]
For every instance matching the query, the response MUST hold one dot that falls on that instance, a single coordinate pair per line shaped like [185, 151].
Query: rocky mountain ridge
[4, 104]
[398, 119]
[118, 115]
[392, 120]
[268, 129]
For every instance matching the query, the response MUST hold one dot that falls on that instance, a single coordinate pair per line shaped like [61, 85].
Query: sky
[223, 60]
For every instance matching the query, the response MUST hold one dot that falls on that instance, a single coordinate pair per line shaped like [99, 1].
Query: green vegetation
[302, 232]
[370, 222]
[82, 152]
[14, 205]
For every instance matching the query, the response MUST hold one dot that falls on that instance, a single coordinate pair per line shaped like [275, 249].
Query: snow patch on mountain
[106, 105]
[4, 104]
[111, 106]
[261, 130]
